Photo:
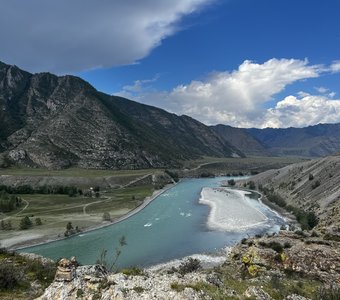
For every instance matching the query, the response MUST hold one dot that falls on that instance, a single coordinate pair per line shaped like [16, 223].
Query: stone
[257, 293]
[66, 270]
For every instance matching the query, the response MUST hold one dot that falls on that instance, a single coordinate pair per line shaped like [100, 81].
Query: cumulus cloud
[239, 97]
[299, 112]
[68, 36]
[335, 67]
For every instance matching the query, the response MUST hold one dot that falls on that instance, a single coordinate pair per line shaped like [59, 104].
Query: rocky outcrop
[270, 269]
[94, 282]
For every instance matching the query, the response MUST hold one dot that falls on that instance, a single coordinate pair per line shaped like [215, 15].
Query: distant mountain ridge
[312, 141]
[57, 122]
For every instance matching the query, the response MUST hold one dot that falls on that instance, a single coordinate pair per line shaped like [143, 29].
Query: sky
[244, 63]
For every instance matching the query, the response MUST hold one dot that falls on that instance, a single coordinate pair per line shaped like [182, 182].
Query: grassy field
[206, 160]
[75, 172]
[55, 211]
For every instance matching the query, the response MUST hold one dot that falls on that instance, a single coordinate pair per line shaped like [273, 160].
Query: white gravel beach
[230, 210]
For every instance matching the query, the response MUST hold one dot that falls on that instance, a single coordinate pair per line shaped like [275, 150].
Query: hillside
[241, 139]
[312, 186]
[312, 141]
[58, 122]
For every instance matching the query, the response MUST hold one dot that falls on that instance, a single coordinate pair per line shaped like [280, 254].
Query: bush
[252, 185]
[310, 176]
[330, 293]
[231, 182]
[133, 271]
[42, 272]
[276, 247]
[9, 277]
[106, 216]
[277, 199]
[190, 265]
[25, 223]
[315, 184]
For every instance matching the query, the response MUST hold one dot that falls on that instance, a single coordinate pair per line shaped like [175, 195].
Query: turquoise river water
[172, 226]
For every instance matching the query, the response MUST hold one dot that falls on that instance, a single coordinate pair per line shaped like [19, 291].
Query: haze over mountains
[58, 122]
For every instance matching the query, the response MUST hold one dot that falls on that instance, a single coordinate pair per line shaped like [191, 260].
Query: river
[172, 226]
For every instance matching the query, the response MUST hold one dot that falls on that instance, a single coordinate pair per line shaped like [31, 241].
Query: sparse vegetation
[190, 265]
[328, 293]
[118, 251]
[17, 272]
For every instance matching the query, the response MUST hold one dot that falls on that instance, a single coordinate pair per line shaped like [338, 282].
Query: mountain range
[62, 121]
[58, 122]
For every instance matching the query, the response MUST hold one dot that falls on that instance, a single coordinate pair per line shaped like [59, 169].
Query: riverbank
[230, 209]
[34, 237]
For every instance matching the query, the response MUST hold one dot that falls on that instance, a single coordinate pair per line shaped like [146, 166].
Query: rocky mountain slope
[312, 141]
[57, 122]
[312, 186]
[241, 139]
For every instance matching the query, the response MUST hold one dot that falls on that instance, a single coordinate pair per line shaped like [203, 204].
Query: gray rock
[257, 293]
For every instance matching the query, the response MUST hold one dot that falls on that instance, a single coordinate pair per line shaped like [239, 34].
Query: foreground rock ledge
[94, 282]
[307, 256]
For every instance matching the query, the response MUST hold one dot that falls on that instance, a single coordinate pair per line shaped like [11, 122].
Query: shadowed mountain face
[311, 141]
[241, 139]
[58, 122]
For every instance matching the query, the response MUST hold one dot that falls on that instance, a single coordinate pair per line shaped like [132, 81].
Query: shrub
[276, 247]
[133, 271]
[315, 184]
[9, 277]
[190, 265]
[252, 185]
[231, 182]
[310, 176]
[277, 199]
[287, 245]
[330, 293]
[106, 216]
[25, 223]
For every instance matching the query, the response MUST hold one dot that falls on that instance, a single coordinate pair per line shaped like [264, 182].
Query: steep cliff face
[58, 122]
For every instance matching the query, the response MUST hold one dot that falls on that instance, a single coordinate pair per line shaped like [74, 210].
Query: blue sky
[246, 63]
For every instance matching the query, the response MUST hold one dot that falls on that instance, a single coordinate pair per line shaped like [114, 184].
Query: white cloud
[233, 97]
[335, 66]
[68, 36]
[321, 89]
[300, 112]
[238, 98]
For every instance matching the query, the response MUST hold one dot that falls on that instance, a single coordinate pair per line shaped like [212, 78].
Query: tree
[25, 223]
[69, 226]
[38, 221]
[231, 182]
[106, 216]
